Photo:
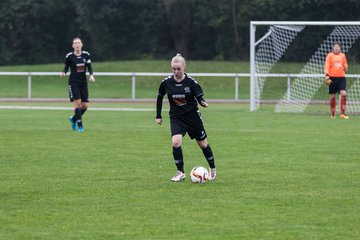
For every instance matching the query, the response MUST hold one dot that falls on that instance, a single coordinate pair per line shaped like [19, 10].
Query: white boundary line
[71, 108]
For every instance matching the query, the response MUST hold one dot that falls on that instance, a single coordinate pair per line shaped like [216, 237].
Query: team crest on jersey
[187, 89]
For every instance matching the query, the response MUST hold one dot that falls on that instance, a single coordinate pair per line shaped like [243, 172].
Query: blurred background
[41, 31]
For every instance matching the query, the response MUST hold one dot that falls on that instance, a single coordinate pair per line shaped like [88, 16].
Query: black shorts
[78, 90]
[190, 123]
[338, 84]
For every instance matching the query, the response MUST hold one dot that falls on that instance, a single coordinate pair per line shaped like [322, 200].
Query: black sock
[77, 117]
[178, 158]
[83, 110]
[209, 156]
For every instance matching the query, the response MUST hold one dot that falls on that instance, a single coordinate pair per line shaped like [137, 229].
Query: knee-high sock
[342, 104]
[77, 117]
[178, 158]
[83, 110]
[332, 106]
[209, 156]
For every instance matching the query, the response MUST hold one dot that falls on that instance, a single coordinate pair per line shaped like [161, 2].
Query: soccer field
[280, 176]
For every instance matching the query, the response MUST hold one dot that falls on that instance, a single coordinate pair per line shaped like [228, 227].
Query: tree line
[41, 31]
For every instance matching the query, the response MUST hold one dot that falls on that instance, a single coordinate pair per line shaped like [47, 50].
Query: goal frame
[253, 44]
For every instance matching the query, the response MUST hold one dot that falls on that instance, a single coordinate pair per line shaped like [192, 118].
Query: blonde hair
[178, 58]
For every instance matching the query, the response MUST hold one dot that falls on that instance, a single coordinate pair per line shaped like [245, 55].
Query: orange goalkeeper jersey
[335, 65]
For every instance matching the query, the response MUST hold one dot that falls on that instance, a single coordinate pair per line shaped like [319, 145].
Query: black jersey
[78, 65]
[182, 95]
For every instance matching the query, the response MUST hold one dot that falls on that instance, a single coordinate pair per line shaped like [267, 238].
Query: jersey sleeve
[88, 63]
[327, 64]
[345, 62]
[162, 90]
[159, 99]
[196, 89]
[67, 64]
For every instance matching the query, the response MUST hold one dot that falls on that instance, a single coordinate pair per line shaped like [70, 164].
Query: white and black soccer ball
[199, 175]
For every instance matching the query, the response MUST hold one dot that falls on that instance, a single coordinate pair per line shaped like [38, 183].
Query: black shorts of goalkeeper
[338, 84]
[190, 123]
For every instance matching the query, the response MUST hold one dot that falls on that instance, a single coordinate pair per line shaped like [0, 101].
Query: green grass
[280, 176]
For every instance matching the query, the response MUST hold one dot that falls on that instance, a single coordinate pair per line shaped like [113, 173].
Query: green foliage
[35, 31]
[121, 29]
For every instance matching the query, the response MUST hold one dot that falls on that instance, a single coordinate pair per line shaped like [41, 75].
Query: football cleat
[73, 124]
[212, 172]
[332, 117]
[180, 176]
[343, 116]
[80, 129]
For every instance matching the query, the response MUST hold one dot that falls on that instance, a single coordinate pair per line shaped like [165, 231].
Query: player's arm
[327, 65]
[202, 101]
[199, 94]
[327, 69]
[66, 67]
[346, 66]
[90, 69]
[159, 102]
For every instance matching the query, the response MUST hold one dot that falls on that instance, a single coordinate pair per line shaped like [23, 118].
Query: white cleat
[180, 176]
[212, 172]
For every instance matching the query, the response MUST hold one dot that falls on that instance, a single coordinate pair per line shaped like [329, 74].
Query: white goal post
[304, 85]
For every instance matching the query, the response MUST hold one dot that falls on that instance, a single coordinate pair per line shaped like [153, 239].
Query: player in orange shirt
[335, 67]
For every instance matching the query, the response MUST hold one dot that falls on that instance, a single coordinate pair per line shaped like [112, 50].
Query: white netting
[302, 88]
[271, 48]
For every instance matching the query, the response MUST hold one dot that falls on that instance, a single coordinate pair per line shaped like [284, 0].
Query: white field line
[71, 108]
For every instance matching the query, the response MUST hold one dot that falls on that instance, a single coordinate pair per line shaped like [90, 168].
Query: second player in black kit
[78, 61]
[184, 94]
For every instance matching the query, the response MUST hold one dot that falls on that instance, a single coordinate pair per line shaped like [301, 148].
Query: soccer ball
[199, 175]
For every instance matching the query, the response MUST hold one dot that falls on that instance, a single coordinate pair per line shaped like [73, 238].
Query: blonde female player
[184, 94]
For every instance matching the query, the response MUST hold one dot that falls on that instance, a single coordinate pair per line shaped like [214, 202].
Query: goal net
[287, 65]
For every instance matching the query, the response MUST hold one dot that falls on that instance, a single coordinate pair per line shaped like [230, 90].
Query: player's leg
[77, 116]
[177, 133]
[74, 95]
[83, 104]
[178, 158]
[84, 98]
[84, 107]
[195, 129]
[343, 104]
[333, 89]
[342, 88]
[332, 102]
[209, 156]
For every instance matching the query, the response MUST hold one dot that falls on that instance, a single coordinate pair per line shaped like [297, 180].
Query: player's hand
[158, 121]
[204, 104]
[91, 78]
[62, 74]
[328, 81]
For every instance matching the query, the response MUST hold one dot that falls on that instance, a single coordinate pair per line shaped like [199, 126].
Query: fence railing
[132, 76]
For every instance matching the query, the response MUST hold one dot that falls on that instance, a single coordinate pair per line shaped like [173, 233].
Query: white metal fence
[132, 76]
